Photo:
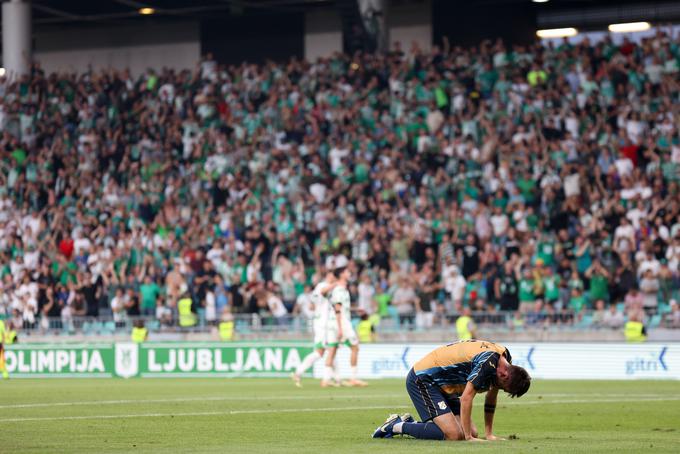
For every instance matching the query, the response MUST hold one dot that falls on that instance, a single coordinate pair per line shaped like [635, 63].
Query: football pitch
[271, 416]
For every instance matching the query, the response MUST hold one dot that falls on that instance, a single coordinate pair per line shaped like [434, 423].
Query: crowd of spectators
[537, 179]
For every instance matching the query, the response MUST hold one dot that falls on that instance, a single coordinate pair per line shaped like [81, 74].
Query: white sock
[397, 427]
[336, 374]
[307, 362]
[354, 372]
[327, 373]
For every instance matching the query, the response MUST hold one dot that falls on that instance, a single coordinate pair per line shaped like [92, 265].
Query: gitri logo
[651, 363]
[396, 363]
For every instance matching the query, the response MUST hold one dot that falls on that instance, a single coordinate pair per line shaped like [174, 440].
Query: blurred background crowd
[535, 181]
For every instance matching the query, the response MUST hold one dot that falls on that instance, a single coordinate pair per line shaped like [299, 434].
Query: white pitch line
[596, 394]
[306, 410]
[264, 398]
[196, 399]
[585, 401]
[210, 413]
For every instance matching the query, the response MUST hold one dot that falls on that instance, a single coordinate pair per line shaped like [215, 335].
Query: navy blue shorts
[428, 398]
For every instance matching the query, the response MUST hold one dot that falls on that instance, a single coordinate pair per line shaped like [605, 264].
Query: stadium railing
[265, 323]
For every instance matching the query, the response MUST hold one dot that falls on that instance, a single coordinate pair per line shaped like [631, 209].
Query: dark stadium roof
[70, 11]
[60, 11]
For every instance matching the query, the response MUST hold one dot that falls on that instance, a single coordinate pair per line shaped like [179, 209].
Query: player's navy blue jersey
[452, 366]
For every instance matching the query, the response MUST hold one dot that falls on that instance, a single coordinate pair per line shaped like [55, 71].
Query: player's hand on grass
[494, 438]
[475, 439]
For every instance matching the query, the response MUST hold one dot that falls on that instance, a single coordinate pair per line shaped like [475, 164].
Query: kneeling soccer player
[443, 384]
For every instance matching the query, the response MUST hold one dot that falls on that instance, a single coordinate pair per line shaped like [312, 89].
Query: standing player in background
[340, 329]
[321, 315]
[3, 366]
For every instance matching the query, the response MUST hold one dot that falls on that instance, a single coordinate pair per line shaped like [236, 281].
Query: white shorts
[349, 337]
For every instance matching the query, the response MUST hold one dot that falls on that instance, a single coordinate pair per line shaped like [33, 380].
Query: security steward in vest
[366, 329]
[226, 326]
[139, 332]
[465, 326]
[634, 330]
[185, 309]
[8, 336]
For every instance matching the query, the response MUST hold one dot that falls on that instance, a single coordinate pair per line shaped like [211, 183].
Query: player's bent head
[518, 381]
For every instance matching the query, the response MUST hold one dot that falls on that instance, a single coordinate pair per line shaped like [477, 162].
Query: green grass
[266, 416]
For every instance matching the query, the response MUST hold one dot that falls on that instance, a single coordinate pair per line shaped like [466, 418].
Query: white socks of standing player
[307, 362]
[355, 373]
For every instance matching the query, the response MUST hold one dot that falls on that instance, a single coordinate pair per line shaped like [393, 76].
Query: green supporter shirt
[440, 97]
[149, 294]
[361, 173]
[501, 202]
[19, 156]
[532, 221]
[526, 290]
[383, 300]
[599, 288]
[487, 80]
[546, 252]
[527, 187]
[551, 284]
[66, 274]
[577, 303]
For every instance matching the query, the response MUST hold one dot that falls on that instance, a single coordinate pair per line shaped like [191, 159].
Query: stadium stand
[537, 185]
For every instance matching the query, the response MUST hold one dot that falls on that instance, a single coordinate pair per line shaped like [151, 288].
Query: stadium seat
[585, 322]
[108, 327]
[87, 327]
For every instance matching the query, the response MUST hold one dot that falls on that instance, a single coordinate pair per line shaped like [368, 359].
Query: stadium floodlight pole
[16, 37]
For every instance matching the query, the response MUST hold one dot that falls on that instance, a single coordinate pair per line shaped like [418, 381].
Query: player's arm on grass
[466, 411]
[489, 410]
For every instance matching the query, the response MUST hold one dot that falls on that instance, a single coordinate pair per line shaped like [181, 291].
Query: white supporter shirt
[365, 297]
[624, 167]
[276, 306]
[499, 223]
[304, 302]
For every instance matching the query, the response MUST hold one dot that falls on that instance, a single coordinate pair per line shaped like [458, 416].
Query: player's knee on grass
[449, 426]
[453, 435]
